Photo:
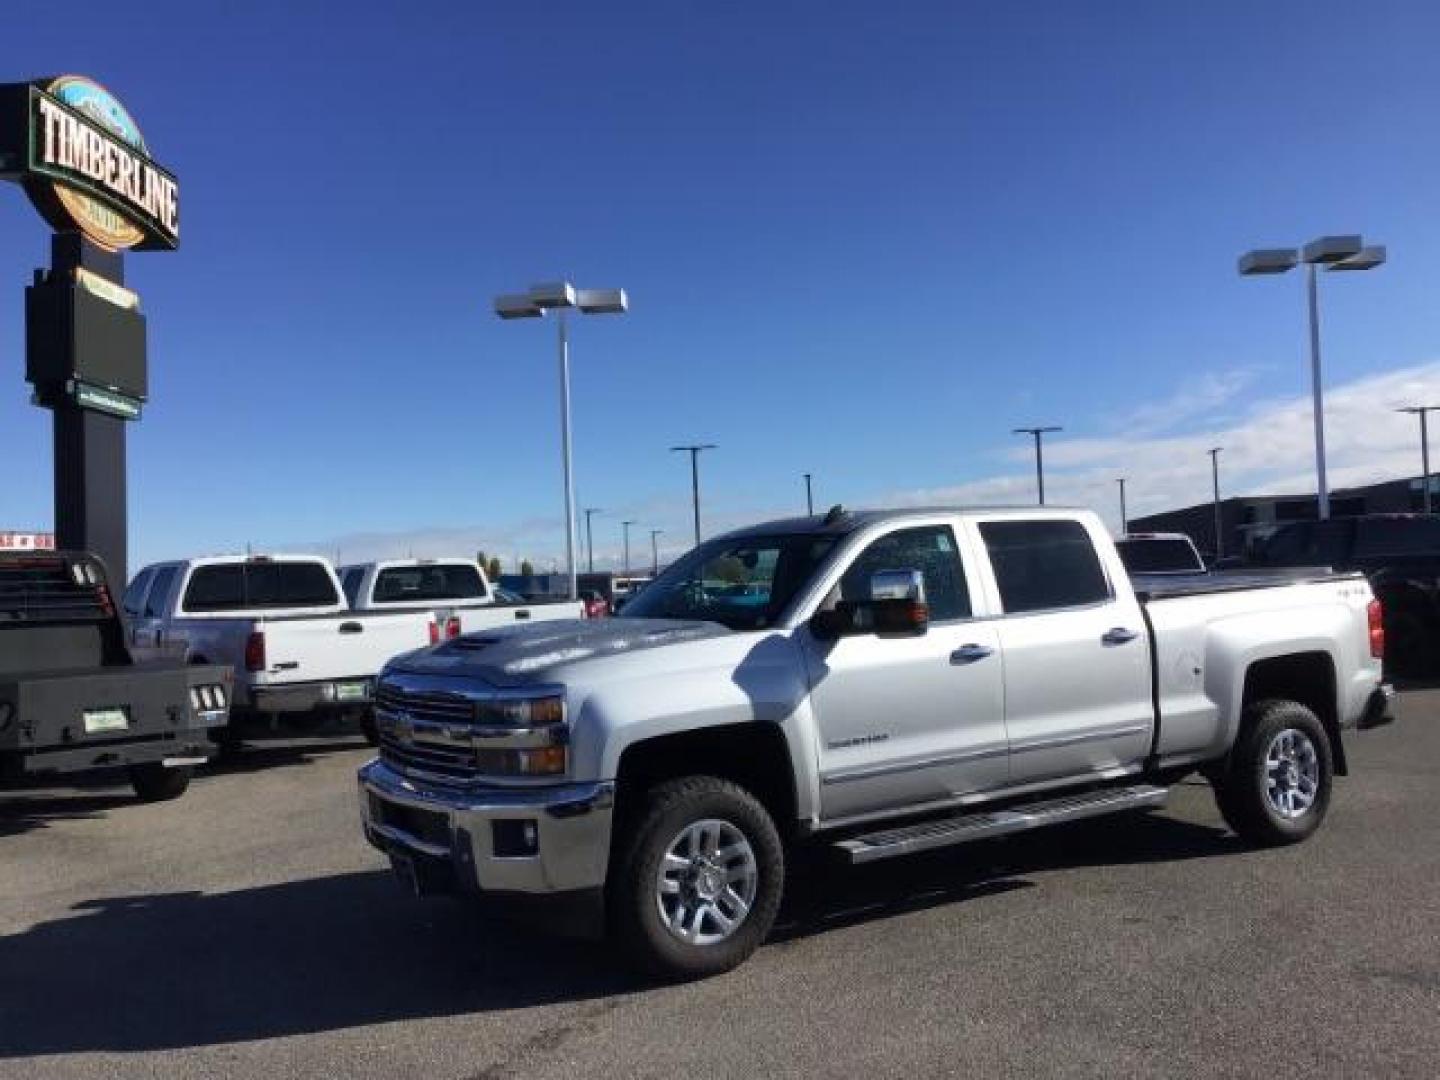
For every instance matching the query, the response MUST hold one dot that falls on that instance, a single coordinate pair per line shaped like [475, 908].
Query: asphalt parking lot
[247, 930]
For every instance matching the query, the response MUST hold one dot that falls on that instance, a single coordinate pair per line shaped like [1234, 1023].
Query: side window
[158, 602]
[931, 550]
[350, 582]
[1041, 565]
[1397, 537]
[1309, 543]
[130, 602]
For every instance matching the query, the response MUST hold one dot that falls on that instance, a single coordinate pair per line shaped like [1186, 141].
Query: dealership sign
[81, 158]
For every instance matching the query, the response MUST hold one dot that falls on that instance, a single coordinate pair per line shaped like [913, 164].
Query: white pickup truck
[877, 683]
[279, 621]
[456, 592]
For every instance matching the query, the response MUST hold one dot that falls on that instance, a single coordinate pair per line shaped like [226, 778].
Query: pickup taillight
[452, 627]
[255, 651]
[434, 632]
[1375, 613]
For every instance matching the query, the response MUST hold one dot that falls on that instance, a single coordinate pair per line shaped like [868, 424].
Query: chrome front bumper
[491, 840]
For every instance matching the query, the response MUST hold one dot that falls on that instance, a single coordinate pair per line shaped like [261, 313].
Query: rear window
[453, 581]
[1158, 555]
[1042, 565]
[1391, 537]
[259, 585]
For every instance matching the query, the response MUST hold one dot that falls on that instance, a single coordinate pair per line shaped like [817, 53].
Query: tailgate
[337, 646]
[493, 616]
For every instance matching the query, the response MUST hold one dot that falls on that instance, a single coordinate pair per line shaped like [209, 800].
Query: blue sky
[860, 240]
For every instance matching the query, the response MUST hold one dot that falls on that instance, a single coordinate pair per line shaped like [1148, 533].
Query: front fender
[766, 686]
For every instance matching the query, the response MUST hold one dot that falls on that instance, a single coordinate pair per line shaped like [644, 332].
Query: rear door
[1077, 664]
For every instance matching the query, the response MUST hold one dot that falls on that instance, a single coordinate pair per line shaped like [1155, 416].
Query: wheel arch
[754, 755]
[1304, 677]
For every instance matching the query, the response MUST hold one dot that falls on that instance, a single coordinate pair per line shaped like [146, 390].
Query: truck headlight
[521, 712]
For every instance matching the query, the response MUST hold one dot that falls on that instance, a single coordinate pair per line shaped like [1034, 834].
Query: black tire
[153, 782]
[368, 727]
[636, 921]
[1243, 790]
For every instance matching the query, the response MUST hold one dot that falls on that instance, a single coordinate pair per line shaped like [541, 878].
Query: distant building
[11, 540]
[1249, 519]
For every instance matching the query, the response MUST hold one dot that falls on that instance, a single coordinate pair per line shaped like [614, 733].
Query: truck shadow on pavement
[21, 812]
[38, 802]
[185, 969]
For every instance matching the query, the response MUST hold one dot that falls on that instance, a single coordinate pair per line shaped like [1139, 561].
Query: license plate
[98, 720]
[350, 691]
[404, 868]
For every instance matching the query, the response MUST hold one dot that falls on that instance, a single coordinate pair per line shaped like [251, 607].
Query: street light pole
[655, 553]
[694, 451]
[1333, 253]
[560, 297]
[625, 525]
[1214, 453]
[1037, 433]
[1124, 519]
[1422, 411]
[809, 497]
[590, 511]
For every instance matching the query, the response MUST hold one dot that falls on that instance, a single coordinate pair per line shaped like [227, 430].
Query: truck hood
[518, 655]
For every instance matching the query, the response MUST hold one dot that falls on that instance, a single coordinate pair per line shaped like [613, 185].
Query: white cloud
[1268, 449]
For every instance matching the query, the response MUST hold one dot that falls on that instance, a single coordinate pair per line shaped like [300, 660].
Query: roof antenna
[836, 513]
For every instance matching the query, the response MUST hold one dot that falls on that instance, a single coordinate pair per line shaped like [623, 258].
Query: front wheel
[1276, 787]
[154, 782]
[696, 886]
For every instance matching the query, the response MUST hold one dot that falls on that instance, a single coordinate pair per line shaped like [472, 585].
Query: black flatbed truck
[72, 698]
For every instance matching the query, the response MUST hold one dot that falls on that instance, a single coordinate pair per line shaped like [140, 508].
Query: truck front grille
[425, 705]
[423, 759]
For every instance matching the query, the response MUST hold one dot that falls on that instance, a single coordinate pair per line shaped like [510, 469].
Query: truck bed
[1155, 587]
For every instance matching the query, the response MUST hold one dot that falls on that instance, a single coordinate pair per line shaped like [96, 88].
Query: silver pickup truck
[880, 683]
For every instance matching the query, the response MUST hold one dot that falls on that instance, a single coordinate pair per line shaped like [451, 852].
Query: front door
[913, 719]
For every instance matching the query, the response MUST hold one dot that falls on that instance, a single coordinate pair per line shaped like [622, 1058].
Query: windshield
[1159, 555]
[744, 584]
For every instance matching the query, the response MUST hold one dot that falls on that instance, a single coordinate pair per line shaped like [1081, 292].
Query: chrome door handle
[1120, 635]
[968, 654]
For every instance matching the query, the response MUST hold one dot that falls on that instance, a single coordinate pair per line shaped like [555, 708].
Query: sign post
[81, 159]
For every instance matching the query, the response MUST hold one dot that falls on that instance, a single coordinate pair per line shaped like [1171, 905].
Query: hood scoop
[469, 644]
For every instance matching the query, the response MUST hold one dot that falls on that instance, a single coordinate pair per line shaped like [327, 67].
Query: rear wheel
[696, 887]
[154, 782]
[1276, 787]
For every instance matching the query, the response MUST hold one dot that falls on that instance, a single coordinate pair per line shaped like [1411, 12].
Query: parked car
[279, 622]
[1159, 553]
[73, 698]
[1398, 553]
[456, 592]
[875, 683]
[596, 606]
